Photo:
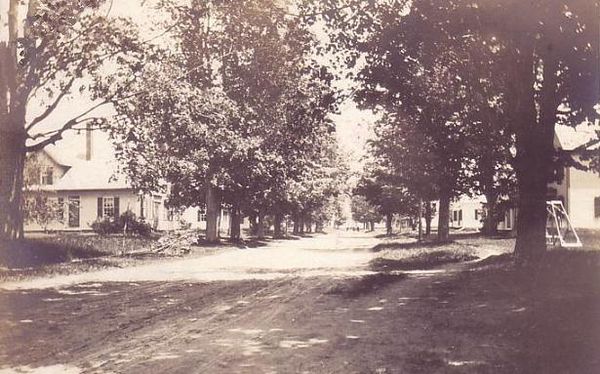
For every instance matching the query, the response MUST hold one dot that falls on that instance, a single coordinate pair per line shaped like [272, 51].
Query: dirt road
[308, 306]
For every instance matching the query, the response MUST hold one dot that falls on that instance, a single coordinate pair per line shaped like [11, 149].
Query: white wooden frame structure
[555, 226]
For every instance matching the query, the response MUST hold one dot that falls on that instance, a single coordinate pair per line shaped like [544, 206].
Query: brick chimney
[88, 142]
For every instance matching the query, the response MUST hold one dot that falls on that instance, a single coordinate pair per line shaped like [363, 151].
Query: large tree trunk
[300, 224]
[260, 230]
[532, 178]
[253, 223]
[308, 224]
[428, 217]
[277, 231]
[444, 216]
[535, 150]
[213, 208]
[12, 160]
[490, 222]
[235, 232]
[420, 218]
[296, 220]
[388, 223]
[12, 132]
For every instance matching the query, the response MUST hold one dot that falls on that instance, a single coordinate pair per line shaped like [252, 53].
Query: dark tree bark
[420, 218]
[12, 161]
[213, 208]
[296, 220]
[490, 222]
[388, 223]
[535, 150]
[277, 230]
[308, 224]
[235, 232]
[260, 232]
[444, 216]
[12, 132]
[252, 219]
[428, 218]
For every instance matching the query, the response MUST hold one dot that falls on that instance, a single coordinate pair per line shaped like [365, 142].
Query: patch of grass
[589, 238]
[421, 261]
[407, 245]
[421, 256]
[57, 249]
[364, 285]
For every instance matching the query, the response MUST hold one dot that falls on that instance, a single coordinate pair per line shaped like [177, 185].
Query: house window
[460, 215]
[597, 207]
[476, 214]
[201, 215]
[60, 209]
[142, 213]
[169, 213]
[455, 215]
[48, 176]
[73, 211]
[108, 207]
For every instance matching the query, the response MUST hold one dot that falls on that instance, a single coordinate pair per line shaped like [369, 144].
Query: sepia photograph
[300, 186]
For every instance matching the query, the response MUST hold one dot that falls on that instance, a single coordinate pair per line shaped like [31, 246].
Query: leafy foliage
[127, 223]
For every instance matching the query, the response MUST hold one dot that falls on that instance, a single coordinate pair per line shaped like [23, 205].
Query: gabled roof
[575, 138]
[592, 145]
[55, 156]
[92, 175]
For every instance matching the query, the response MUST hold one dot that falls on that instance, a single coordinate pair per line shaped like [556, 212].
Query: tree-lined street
[237, 222]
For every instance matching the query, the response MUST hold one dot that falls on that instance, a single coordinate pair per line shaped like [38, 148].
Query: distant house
[467, 213]
[89, 190]
[579, 190]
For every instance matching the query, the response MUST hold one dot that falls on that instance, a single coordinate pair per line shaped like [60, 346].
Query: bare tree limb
[83, 120]
[67, 126]
[52, 106]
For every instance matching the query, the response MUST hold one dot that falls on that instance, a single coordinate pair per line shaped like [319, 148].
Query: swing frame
[557, 212]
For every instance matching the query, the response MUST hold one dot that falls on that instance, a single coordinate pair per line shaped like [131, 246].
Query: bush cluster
[127, 223]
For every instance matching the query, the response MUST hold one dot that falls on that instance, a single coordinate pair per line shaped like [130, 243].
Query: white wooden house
[579, 190]
[90, 190]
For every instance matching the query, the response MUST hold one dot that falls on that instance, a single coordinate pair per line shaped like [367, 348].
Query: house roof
[56, 156]
[576, 138]
[93, 175]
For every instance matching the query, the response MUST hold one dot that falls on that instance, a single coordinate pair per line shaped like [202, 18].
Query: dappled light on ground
[334, 255]
[53, 369]
[464, 317]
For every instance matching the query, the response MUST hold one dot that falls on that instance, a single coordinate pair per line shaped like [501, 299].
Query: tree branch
[49, 133]
[57, 134]
[52, 106]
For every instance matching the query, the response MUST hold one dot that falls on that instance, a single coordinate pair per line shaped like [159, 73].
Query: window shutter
[100, 206]
[61, 209]
[117, 211]
[597, 207]
[460, 215]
